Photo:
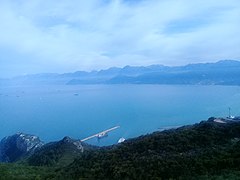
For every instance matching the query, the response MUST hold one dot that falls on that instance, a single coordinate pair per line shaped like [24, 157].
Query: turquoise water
[53, 112]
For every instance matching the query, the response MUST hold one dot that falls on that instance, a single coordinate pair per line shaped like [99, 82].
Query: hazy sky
[69, 35]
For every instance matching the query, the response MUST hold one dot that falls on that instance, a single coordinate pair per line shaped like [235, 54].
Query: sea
[78, 111]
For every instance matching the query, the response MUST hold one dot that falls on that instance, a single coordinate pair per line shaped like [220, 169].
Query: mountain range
[225, 72]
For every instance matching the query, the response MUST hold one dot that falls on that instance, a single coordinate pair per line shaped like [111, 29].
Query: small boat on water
[121, 140]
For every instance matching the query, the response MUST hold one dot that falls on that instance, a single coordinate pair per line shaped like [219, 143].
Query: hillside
[205, 149]
[60, 153]
[209, 149]
[17, 146]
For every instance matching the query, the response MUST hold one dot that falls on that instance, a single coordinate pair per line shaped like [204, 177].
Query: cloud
[61, 36]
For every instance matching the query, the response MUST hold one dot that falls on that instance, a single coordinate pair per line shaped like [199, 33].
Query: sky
[38, 36]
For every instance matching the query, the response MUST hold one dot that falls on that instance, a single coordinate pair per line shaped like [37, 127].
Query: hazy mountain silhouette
[225, 72]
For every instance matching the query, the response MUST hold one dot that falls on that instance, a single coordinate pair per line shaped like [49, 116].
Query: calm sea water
[53, 112]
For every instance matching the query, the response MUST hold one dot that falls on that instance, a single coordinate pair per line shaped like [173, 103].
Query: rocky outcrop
[75, 143]
[61, 152]
[13, 148]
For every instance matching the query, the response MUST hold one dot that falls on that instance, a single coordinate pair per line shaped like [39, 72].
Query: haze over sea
[52, 112]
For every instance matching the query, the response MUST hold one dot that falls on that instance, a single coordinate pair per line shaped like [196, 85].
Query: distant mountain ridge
[224, 72]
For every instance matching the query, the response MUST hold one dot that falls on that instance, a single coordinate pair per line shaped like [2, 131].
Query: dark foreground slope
[208, 149]
[12, 171]
[205, 149]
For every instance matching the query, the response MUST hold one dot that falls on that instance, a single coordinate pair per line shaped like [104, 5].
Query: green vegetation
[20, 172]
[207, 150]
